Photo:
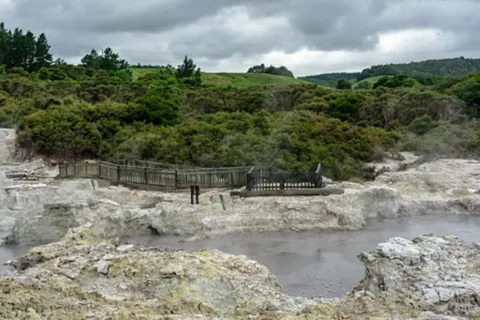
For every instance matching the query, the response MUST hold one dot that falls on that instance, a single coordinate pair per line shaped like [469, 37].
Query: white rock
[103, 266]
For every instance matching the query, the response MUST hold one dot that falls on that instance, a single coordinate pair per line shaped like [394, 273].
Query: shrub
[422, 125]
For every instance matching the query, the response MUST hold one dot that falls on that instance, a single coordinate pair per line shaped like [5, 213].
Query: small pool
[323, 264]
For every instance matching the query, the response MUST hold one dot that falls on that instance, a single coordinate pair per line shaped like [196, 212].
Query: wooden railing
[151, 164]
[269, 179]
[162, 175]
[155, 175]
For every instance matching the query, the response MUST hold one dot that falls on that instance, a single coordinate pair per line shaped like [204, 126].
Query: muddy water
[310, 264]
[10, 252]
[323, 264]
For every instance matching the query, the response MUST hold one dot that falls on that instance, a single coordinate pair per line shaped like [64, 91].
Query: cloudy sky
[307, 36]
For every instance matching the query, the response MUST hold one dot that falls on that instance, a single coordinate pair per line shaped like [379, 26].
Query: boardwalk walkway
[146, 173]
[157, 174]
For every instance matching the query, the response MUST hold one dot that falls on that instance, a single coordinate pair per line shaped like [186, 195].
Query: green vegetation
[244, 80]
[108, 60]
[331, 79]
[344, 85]
[366, 83]
[238, 80]
[18, 50]
[293, 127]
[425, 69]
[281, 71]
[188, 73]
[139, 71]
[426, 72]
[401, 80]
[172, 115]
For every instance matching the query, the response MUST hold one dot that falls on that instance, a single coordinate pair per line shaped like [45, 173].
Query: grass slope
[371, 81]
[239, 80]
[140, 72]
[242, 80]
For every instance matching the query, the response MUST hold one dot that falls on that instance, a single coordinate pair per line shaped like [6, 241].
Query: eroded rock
[440, 275]
[86, 277]
[440, 187]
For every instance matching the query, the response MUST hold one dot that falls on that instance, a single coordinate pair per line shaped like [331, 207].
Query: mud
[322, 264]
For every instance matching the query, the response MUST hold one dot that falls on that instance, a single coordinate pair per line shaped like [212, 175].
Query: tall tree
[43, 57]
[23, 50]
[29, 51]
[16, 52]
[188, 70]
[108, 60]
[4, 41]
[91, 60]
[111, 61]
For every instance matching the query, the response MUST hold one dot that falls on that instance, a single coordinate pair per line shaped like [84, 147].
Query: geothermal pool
[311, 264]
[323, 264]
[10, 252]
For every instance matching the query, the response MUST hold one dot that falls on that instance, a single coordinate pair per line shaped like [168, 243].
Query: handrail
[277, 180]
[179, 178]
[254, 178]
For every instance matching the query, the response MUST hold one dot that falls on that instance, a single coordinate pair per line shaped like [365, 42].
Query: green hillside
[331, 79]
[427, 72]
[239, 80]
[425, 69]
[242, 80]
[140, 72]
[371, 81]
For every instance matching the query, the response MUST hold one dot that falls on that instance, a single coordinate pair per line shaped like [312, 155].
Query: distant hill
[425, 69]
[240, 80]
[369, 82]
[331, 79]
[418, 70]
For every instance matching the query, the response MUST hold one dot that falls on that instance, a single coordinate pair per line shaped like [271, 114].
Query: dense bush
[401, 80]
[71, 112]
[280, 71]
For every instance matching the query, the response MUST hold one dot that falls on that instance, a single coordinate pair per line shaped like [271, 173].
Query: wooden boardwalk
[157, 174]
[269, 179]
[146, 173]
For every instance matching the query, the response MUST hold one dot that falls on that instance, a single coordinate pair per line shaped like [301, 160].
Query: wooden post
[209, 179]
[197, 194]
[100, 170]
[192, 193]
[176, 181]
[223, 202]
[118, 173]
[250, 179]
[146, 176]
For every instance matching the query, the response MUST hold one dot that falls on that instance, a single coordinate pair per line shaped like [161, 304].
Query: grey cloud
[163, 30]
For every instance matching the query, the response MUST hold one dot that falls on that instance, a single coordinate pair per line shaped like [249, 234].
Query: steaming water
[312, 264]
[10, 252]
[323, 264]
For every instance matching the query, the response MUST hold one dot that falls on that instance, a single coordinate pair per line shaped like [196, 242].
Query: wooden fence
[260, 179]
[181, 177]
[151, 164]
[155, 175]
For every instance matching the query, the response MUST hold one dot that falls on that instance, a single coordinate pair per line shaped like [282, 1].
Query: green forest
[427, 72]
[100, 110]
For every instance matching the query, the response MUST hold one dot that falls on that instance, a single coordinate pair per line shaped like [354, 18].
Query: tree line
[25, 50]
[280, 71]
[427, 72]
